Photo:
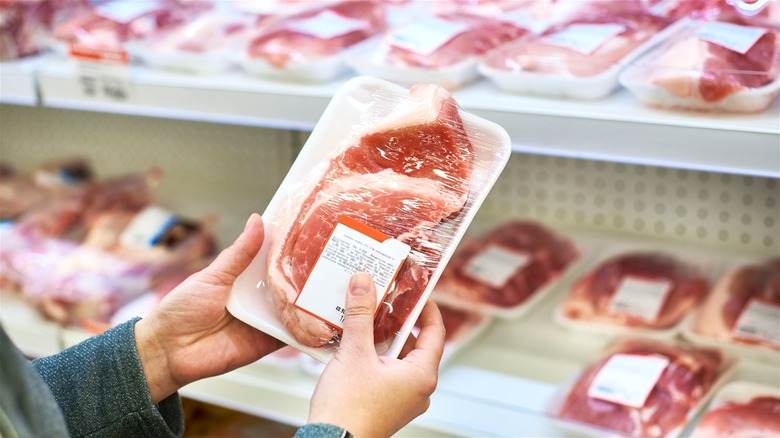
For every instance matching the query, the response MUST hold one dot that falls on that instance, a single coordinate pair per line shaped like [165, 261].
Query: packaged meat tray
[643, 290]
[312, 46]
[581, 58]
[742, 312]
[387, 183]
[742, 409]
[437, 49]
[462, 328]
[714, 66]
[641, 388]
[507, 269]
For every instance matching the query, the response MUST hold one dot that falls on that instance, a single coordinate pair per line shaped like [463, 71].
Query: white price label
[127, 11]
[495, 265]
[640, 297]
[731, 36]
[105, 82]
[426, 35]
[352, 247]
[147, 227]
[525, 21]
[585, 38]
[627, 379]
[327, 24]
[759, 321]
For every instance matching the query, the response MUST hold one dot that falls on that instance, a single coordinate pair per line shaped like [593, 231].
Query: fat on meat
[280, 45]
[691, 373]
[549, 254]
[758, 417]
[728, 299]
[408, 177]
[591, 296]
[541, 56]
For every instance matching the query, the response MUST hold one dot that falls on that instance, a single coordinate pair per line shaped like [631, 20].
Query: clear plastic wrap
[641, 388]
[313, 45]
[440, 49]
[742, 311]
[741, 410]
[395, 167]
[713, 66]
[581, 58]
[501, 272]
[643, 290]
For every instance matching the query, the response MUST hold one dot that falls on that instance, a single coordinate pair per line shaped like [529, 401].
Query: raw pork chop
[759, 417]
[690, 374]
[733, 293]
[548, 255]
[407, 178]
[591, 296]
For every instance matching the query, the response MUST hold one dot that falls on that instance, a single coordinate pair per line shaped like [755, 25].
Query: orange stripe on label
[363, 228]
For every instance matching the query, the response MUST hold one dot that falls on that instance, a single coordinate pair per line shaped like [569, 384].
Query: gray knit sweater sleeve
[321, 430]
[100, 387]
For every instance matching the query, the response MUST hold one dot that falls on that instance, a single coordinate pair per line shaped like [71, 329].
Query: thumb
[232, 261]
[358, 335]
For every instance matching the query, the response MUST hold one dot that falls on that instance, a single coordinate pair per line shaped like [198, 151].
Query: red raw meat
[23, 27]
[591, 296]
[457, 323]
[549, 255]
[404, 180]
[280, 45]
[731, 295]
[541, 56]
[759, 417]
[483, 35]
[688, 377]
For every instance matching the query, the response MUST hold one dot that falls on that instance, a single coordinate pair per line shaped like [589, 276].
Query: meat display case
[611, 168]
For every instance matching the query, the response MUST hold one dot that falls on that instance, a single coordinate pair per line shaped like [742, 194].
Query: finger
[408, 346]
[232, 261]
[430, 341]
[358, 334]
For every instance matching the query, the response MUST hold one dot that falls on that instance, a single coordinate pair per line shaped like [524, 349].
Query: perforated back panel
[232, 171]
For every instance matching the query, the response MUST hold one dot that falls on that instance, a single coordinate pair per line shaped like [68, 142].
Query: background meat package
[680, 382]
[741, 409]
[637, 289]
[742, 312]
[526, 257]
[723, 66]
[407, 162]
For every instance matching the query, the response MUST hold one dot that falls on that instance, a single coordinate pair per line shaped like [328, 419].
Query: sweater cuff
[322, 430]
[101, 389]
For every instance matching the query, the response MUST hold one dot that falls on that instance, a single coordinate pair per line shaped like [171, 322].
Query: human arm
[371, 395]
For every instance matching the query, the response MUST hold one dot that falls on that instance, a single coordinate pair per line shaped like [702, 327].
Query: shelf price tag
[352, 247]
[103, 74]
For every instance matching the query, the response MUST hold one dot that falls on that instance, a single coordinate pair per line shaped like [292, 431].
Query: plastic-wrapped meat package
[642, 388]
[743, 308]
[386, 184]
[580, 58]
[742, 410]
[650, 291]
[312, 45]
[461, 327]
[24, 25]
[501, 271]
[714, 66]
[441, 49]
[123, 256]
[108, 25]
[206, 44]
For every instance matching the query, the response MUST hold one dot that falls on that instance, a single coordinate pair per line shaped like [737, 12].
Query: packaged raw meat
[313, 45]
[580, 58]
[24, 25]
[387, 183]
[742, 310]
[505, 270]
[462, 328]
[645, 290]
[742, 410]
[713, 66]
[641, 388]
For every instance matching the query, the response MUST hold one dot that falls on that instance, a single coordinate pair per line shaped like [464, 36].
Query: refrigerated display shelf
[617, 128]
[17, 81]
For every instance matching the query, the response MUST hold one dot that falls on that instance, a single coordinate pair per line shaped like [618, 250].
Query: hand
[371, 395]
[190, 335]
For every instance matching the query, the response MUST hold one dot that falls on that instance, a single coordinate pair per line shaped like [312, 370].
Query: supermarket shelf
[616, 129]
[17, 82]
[31, 333]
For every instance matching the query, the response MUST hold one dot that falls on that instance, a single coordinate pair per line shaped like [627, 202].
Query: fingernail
[360, 284]
[249, 221]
